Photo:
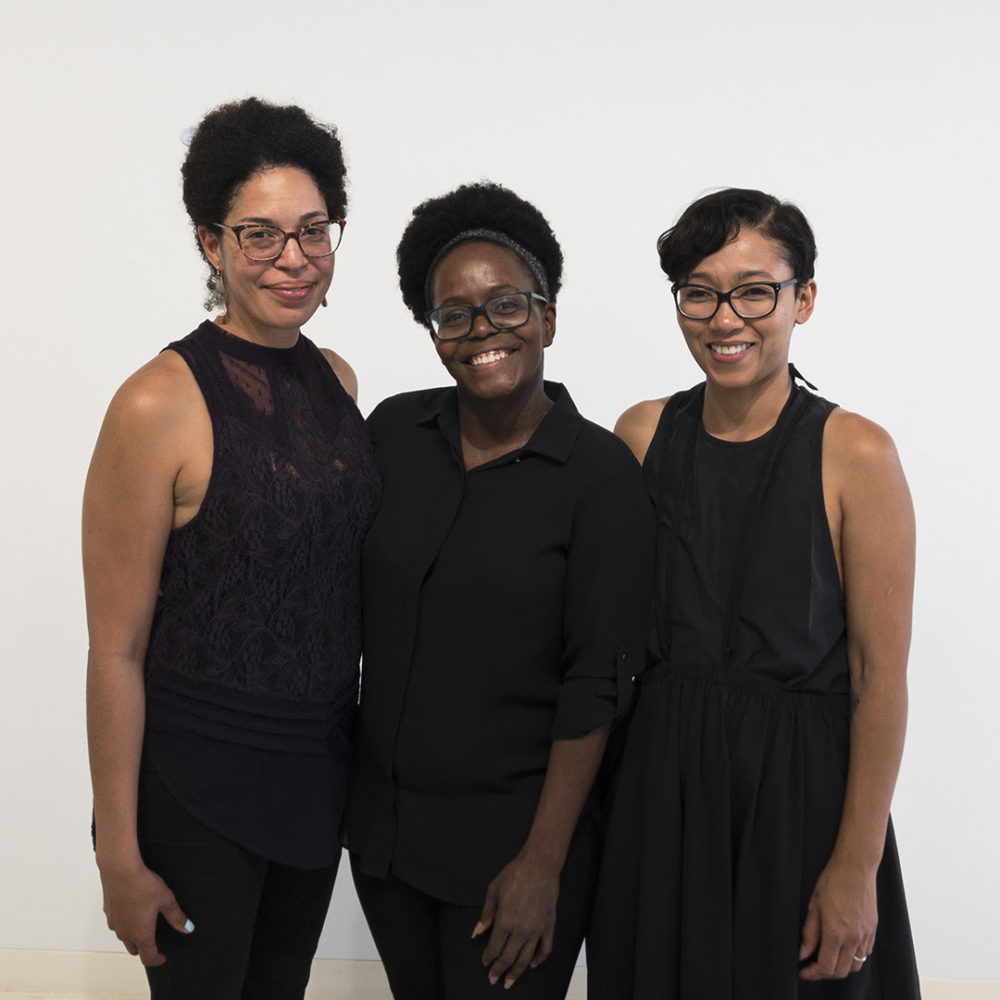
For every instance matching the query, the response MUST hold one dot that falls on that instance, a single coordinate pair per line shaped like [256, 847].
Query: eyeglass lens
[749, 301]
[503, 311]
[318, 239]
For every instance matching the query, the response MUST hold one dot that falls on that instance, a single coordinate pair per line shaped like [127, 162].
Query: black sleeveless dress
[729, 796]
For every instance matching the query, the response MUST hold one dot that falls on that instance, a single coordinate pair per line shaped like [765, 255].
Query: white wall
[879, 118]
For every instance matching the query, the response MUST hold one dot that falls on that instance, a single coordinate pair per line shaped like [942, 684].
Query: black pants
[257, 923]
[426, 945]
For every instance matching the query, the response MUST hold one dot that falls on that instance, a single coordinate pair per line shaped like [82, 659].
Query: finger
[149, 954]
[176, 917]
[544, 948]
[512, 961]
[487, 914]
[825, 964]
[810, 935]
[495, 946]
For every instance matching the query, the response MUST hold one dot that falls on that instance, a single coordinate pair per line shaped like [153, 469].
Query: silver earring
[216, 289]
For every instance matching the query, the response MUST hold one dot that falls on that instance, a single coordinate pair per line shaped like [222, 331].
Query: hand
[132, 902]
[840, 922]
[521, 908]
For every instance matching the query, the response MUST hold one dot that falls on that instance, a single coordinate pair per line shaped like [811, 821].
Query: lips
[291, 292]
[729, 350]
[488, 357]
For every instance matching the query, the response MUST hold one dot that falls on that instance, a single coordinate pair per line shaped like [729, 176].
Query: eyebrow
[261, 220]
[491, 292]
[742, 276]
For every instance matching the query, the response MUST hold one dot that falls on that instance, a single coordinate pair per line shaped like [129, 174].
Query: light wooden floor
[78, 975]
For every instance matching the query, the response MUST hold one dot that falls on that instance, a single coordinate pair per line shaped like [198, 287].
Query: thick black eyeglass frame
[295, 235]
[721, 297]
[475, 311]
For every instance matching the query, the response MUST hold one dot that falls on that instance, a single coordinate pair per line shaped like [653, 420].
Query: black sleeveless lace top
[252, 665]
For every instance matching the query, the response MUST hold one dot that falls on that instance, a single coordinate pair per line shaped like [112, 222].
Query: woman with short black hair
[505, 592]
[749, 851]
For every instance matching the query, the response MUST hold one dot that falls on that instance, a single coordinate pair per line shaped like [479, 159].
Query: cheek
[444, 352]
[328, 264]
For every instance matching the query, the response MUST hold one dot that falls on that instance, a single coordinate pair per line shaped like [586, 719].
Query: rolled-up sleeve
[608, 585]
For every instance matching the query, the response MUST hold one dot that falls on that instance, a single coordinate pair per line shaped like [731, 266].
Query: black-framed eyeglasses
[502, 312]
[319, 238]
[752, 300]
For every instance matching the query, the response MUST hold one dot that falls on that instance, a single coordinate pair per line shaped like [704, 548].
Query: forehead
[751, 253]
[278, 193]
[473, 270]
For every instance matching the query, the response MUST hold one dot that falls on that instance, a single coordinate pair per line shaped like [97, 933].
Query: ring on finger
[861, 959]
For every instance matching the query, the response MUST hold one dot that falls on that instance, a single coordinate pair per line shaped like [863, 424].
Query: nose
[725, 317]
[291, 255]
[481, 326]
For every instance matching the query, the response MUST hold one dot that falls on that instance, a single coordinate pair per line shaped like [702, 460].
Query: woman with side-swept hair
[749, 852]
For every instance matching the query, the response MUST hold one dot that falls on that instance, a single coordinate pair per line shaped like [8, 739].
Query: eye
[507, 305]
[316, 232]
[693, 294]
[754, 293]
[260, 236]
[453, 316]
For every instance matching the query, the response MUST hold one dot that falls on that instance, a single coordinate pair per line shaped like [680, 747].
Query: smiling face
[491, 363]
[739, 353]
[267, 301]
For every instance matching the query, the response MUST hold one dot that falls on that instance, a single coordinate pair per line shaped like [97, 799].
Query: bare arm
[637, 425]
[870, 497]
[128, 511]
[521, 901]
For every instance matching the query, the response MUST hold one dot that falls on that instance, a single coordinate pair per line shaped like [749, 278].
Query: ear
[209, 239]
[805, 300]
[549, 321]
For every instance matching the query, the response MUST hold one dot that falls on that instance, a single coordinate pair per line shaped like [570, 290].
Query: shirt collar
[553, 437]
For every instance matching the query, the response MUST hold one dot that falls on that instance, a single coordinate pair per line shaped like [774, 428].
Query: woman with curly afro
[229, 493]
[505, 590]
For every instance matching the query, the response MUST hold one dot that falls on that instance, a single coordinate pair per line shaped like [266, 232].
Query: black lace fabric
[260, 591]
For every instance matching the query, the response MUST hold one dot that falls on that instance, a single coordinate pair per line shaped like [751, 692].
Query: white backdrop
[879, 118]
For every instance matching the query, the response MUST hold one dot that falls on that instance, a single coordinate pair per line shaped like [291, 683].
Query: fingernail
[508, 983]
[188, 926]
[493, 979]
[478, 929]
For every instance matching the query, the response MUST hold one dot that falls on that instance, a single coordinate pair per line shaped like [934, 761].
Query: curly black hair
[709, 223]
[484, 205]
[237, 140]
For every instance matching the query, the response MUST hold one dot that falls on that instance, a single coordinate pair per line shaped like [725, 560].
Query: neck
[264, 336]
[745, 414]
[493, 427]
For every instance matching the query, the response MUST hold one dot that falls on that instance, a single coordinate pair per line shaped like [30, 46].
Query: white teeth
[485, 359]
[730, 348]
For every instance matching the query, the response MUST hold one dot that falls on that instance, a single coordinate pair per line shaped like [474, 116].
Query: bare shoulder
[853, 444]
[343, 371]
[162, 392]
[863, 478]
[637, 425]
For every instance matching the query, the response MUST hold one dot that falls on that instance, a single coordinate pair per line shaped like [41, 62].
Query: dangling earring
[324, 302]
[216, 289]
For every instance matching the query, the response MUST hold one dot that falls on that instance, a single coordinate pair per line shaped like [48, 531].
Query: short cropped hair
[709, 223]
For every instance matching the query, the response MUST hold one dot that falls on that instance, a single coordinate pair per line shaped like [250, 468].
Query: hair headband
[533, 264]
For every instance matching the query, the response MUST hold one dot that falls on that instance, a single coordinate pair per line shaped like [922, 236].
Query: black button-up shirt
[504, 608]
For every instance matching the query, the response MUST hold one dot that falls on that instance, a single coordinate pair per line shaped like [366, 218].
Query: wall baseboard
[101, 975]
